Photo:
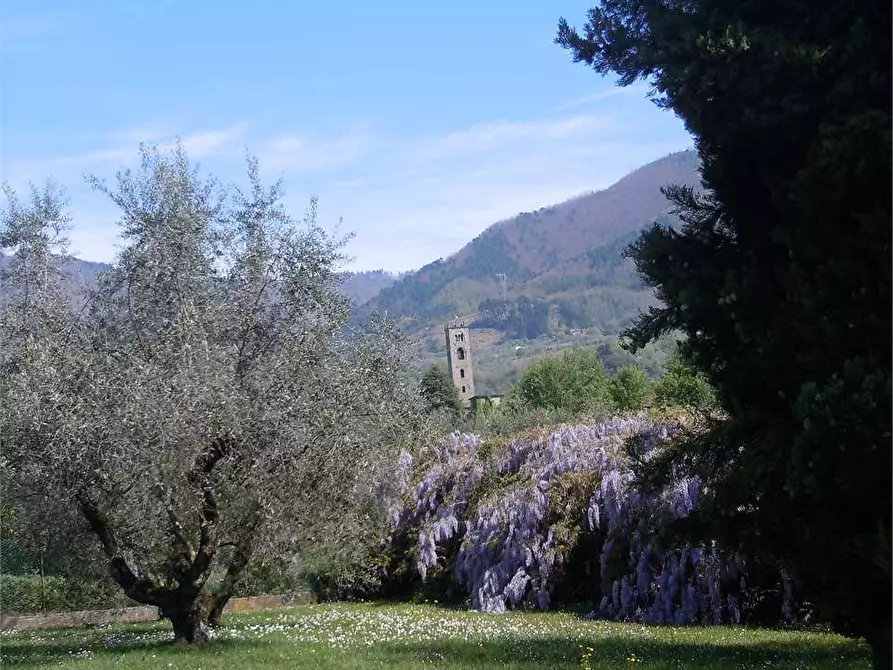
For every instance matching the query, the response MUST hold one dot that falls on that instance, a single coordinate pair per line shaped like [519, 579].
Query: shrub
[629, 389]
[574, 381]
[682, 386]
[513, 416]
[27, 594]
[438, 392]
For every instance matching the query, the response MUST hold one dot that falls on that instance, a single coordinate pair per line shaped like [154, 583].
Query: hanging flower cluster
[516, 509]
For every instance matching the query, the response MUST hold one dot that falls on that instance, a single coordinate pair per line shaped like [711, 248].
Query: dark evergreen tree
[780, 275]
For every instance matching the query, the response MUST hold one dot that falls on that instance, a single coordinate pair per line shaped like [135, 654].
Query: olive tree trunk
[185, 604]
[188, 618]
[216, 602]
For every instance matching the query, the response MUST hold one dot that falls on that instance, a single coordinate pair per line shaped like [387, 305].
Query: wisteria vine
[508, 507]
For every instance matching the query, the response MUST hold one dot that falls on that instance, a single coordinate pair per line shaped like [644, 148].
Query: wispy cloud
[490, 136]
[300, 154]
[213, 142]
[607, 94]
[412, 209]
[119, 148]
[201, 144]
[94, 235]
[409, 198]
[23, 29]
[146, 132]
[91, 159]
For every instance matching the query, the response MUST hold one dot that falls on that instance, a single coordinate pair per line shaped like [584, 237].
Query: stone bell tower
[458, 340]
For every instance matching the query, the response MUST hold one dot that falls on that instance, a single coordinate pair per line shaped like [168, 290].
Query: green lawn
[417, 636]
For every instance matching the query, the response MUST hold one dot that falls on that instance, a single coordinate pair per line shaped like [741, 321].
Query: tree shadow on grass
[567, 653]
[32, 652]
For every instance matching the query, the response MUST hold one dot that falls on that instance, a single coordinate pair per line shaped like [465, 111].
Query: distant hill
[360, 287]
[557, 267]
[78, 272]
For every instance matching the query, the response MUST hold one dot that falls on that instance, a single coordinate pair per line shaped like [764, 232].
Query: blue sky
[418, 124]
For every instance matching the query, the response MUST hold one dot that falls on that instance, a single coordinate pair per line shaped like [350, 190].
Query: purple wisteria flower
[508, 509]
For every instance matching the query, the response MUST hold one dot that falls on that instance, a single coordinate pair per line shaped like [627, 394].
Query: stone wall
[93, 618]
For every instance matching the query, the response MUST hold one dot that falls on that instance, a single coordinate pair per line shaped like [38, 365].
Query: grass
[417, 636]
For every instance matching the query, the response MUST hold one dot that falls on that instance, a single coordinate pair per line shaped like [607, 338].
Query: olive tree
[207, 400]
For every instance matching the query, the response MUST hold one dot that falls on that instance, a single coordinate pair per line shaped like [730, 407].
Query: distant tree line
[575, 384]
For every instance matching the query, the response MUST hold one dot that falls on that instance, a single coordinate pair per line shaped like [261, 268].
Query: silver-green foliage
[207, 400]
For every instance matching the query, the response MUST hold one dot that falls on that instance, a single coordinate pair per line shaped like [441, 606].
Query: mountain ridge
[553, 255]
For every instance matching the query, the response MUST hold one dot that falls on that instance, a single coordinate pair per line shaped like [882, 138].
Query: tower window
[460, 354]
[463, 389]
[462, 373]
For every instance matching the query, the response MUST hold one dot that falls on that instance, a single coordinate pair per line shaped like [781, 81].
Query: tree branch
[241, 363]
[136, 585]
[210, 511]
[176, 525]
[242, 552]
[179, 534]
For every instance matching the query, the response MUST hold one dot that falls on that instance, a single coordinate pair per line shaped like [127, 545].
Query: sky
[417, 125]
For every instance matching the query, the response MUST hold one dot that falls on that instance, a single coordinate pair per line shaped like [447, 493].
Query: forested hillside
[559, 266]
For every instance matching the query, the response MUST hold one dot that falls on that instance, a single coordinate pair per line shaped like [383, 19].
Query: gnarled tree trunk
[188, 618]
[184, 604]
